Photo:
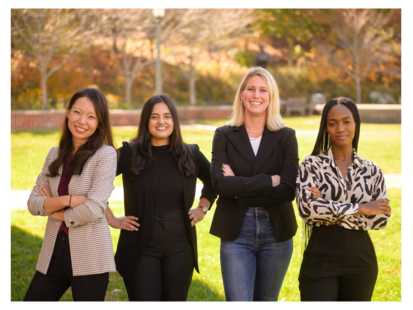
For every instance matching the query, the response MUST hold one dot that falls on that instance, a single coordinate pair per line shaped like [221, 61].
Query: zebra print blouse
[340, 199]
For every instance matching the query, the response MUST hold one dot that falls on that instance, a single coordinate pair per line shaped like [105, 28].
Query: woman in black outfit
[159, 174]
[340, 196]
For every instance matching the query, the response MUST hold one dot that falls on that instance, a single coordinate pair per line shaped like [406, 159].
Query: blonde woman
[253, 170]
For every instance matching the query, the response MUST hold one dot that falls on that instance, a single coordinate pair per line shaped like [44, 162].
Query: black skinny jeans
[59, 278]
[165, 268]
[339, 265]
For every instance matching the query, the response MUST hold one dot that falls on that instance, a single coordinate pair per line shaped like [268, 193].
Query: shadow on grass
[199, 291]
[25, 249]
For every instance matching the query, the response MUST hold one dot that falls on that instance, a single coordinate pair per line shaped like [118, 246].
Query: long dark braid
[323, 142]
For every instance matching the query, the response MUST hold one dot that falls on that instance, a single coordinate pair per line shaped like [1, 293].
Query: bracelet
[70, 199]
[204, 209]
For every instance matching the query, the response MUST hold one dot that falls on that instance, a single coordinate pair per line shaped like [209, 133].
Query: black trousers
[339, 265]
[59, 278]
[164, 271]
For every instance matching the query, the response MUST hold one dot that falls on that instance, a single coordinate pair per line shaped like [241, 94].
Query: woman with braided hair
[340, 197]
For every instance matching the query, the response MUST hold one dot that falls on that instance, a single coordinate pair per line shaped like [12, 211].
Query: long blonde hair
[274, 121]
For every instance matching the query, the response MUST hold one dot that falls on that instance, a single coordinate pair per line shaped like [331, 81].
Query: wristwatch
[204, 209]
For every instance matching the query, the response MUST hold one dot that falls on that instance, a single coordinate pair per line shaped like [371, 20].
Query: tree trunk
[192, 95]
[356, 53]
[290, 52]
[128, 89]
[43, 86]
[358, 88]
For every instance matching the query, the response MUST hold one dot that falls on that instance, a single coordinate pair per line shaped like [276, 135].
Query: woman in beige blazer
[72, 190]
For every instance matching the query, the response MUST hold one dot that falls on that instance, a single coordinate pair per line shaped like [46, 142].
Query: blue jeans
[254, 265]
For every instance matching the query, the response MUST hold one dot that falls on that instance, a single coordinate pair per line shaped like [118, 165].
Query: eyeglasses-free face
[255, 96]
[82, 121]
[161, 124]
[340, 125]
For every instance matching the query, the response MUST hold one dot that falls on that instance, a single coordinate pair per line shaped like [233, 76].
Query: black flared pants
[164, 271]
[59, 278]
[339, 265]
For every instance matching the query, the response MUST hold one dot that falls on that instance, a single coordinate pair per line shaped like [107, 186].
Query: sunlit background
[200, 56]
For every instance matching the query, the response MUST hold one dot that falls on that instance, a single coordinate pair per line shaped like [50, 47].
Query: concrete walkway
[19, 198]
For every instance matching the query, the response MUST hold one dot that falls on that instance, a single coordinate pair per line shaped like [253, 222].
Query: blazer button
[161, 215]
[72, 223]
[38, 212]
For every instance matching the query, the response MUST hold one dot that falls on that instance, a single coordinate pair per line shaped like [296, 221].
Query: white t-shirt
[256, 144]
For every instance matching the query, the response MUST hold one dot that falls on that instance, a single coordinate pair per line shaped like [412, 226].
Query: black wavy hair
[141, 144]
[323, 141]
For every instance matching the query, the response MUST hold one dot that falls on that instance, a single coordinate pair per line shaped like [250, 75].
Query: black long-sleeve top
[168, 189]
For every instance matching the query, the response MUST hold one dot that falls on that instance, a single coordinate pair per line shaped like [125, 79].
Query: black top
[252, 185]
[168, 189]
[139, 202]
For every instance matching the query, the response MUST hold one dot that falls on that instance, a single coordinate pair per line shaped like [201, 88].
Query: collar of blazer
[239, 139]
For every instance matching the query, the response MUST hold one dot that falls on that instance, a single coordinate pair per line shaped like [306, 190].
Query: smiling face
[160, 124]
[341, 126]
[255, 96]
[82, 121]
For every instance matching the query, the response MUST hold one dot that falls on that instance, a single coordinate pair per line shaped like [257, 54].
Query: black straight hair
[102, 134]
[141, 144]
[323, 141]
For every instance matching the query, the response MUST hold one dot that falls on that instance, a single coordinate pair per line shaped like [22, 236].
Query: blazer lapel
[268, 142]
[239, 138]
[54, 182]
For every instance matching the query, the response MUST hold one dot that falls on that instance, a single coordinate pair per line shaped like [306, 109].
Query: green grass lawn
[27, 233]
[310, 123]
[29, 150]
[383, 150]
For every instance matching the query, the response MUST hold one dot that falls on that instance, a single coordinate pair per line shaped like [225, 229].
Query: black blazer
[138, 195]
[252, 184]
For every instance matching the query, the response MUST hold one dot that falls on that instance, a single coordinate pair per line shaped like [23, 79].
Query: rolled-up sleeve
[35, 203]
[95, 206]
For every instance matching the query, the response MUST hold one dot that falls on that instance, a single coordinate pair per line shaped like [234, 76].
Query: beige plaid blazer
[89, 235]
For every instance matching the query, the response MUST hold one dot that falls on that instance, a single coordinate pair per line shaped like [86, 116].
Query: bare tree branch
[46, 34]
[362, 42]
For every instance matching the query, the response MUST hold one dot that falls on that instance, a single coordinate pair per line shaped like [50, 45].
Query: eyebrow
[163, 114]
[257, 87]
[75, 107]
[333, 119]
